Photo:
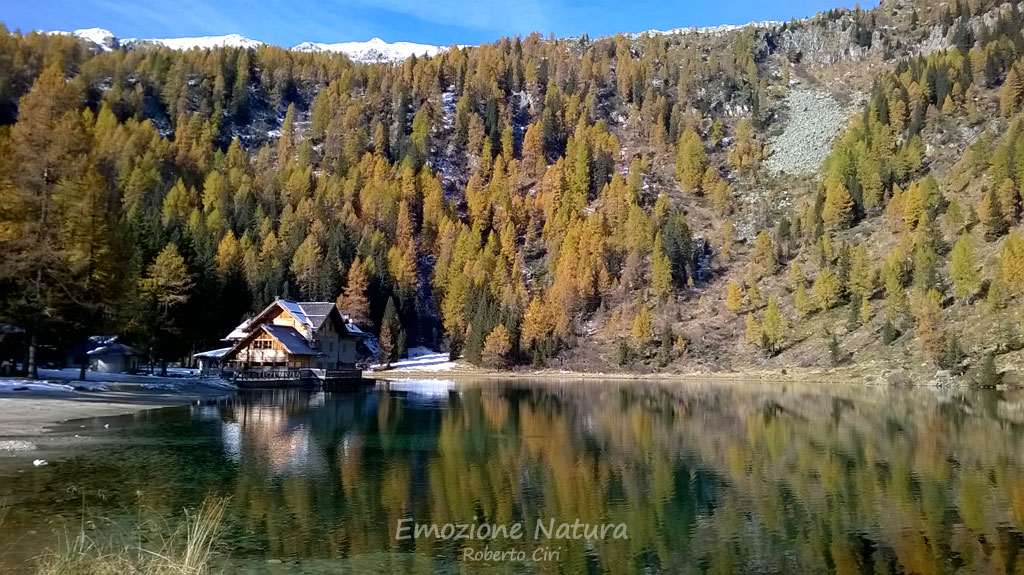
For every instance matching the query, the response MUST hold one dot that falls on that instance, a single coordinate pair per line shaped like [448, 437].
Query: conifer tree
[764, 253]
[1011, 264]
[1011, 92]
[353, 301]
[641, 331]
[826, 290]
[963, 269]
[306, 265]
[801, 302]
[752, 332]
[991, 217]
[392, 334]
[862, 273]
[796, 275]
[497, 348]
[537, 324]
[166, 286]
[661, 271]
[838, 207]
[865, 311]
[1009, 200]
[773, 326]
[928, 324]
[734, 297]
[691, 161]
[753, 292]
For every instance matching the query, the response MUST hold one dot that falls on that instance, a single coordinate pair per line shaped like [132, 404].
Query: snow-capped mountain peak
[105, 39]
[374, 50]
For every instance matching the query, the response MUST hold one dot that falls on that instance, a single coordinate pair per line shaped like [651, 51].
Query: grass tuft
[189, 549]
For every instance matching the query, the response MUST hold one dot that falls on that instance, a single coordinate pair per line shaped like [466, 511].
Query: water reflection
[708, 478]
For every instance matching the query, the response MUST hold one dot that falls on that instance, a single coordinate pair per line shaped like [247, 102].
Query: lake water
[704, 477]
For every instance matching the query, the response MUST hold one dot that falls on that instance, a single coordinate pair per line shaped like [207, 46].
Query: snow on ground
[174, 375]
[61, 381]
[420, 359]
[40, 386]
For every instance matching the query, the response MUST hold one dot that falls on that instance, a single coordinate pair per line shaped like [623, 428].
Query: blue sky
[288, 22]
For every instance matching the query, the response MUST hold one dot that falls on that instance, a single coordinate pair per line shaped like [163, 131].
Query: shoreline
[896, 377]
[26, 416]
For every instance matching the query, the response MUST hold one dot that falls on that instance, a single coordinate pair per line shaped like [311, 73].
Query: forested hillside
[617, 203]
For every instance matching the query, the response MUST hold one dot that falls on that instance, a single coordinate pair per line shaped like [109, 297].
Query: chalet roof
[354, 330]
[213, 353]
[311, 313]
[291, 339]
[112, 349]
[239, 332]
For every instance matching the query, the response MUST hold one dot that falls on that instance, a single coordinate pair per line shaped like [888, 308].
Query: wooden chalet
[294, 343]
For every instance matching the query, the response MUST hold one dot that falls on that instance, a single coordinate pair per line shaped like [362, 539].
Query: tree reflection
[708, 477]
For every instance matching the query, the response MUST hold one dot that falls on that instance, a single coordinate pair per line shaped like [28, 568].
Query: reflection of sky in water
[231, 439]
[422, 391]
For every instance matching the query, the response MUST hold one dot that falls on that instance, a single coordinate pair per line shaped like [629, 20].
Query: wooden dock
[312, 378]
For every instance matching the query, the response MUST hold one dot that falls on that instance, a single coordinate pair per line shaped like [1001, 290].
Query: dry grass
[189, 549]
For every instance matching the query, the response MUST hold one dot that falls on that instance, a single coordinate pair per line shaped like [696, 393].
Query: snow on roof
[112, 349]
[213, 353]
[291, 339]
[353, 329]
[239, 332]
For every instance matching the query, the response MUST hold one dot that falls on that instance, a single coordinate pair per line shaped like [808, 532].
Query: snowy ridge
[105, 39]
[712, 30]
[375, 50]
[201, 42]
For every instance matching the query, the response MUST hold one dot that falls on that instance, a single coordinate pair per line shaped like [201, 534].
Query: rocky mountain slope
[836, 192]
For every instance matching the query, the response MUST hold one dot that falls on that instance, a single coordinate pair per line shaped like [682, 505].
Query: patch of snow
[16, 445]
[420, 359]
[38, 386]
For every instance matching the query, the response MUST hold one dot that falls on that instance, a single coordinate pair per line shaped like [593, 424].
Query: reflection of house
[296, 335]
[105, 355]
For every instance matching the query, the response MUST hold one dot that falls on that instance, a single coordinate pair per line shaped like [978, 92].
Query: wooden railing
[296, 374]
